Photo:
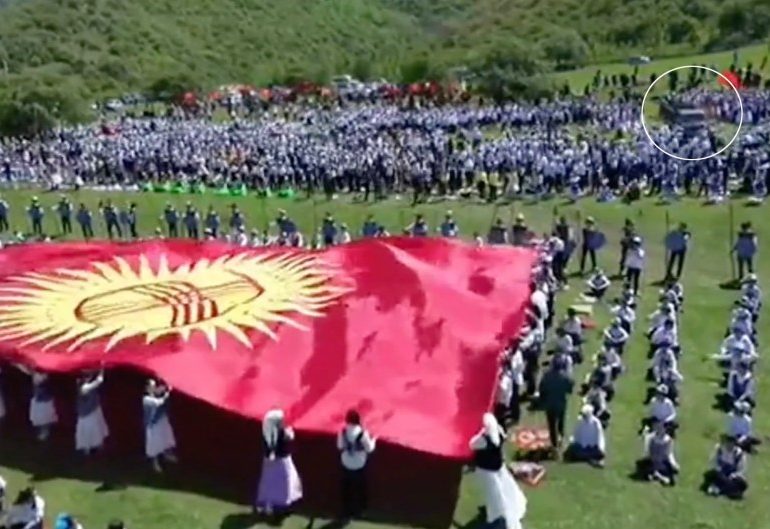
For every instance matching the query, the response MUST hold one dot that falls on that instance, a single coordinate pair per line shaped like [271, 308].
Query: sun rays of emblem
[231, 294]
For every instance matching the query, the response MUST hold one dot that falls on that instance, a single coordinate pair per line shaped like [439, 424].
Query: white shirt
[635, 258]
[662, 409]
[732, 345]
[354, 459]
[589, 432]
[664, 336]
[739, 425]
[540, 300]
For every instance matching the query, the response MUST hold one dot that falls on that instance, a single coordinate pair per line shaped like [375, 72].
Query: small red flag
[730, 78]
[408, 331]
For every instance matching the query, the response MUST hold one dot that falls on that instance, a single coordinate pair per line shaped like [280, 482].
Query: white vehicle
[638, 60]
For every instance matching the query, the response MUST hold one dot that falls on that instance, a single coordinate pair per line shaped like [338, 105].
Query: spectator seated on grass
[661, 409]
[740, 426]
[741, 386]
[668, 375]
[625, 311]
[658, 462]
[597, 399]
[615, 336]
[27, 512]
[587, 441]
[727, 476]
[741, 319]
[665, 311]
[664, 336]
[598, 284]
[662, 358]
[615, 361]
[600, 376]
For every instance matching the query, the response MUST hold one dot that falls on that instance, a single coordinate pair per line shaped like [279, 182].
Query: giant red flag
[730, 79]
[406, 330]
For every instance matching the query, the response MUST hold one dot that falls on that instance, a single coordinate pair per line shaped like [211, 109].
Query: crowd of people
[521, 380]
[479, 149]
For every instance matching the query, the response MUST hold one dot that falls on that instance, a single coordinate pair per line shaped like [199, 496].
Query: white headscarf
[492, 429]
[270, 425]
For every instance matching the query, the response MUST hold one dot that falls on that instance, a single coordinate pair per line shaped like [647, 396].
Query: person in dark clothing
[555, 388]
[677, 243]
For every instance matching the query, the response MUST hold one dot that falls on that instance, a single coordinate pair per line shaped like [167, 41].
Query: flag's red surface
[733, 78]
[408, 331]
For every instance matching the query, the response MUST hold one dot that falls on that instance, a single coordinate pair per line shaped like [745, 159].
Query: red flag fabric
[408, 331]
[733, 78]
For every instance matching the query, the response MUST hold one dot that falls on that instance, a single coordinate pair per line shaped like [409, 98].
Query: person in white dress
[91, 429]
[503, 497]
[158, 434]
[42, 408]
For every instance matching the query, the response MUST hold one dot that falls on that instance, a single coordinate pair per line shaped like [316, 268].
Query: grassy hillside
[100, 47]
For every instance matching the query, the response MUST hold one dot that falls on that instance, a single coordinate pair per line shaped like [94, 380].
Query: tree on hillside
[567, 50]
[24, 119]
[171, 87]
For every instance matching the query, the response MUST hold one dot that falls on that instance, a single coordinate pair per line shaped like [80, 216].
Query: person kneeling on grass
[598, 400]
[668, 375]
[727, 476]
[663, 358]
[740, 426]
[664, 336]
[601, 376]
[587, 441]
[662, 410]
[740, 385]
[615, 336]
[598, 284]
[658, 462]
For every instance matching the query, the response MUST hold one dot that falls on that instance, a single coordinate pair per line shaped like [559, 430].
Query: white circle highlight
[723, 149]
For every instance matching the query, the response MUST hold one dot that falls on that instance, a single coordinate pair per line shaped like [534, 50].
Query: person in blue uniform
[4, 212]
[370, 227]
[588, 248]
[213, 222]
[36, 214]
[419, 228]
[328, 230]
[727, 476]
[497, 233]
[449, 227]
[677, 243]
[191, 221]
[85, 219]
[111, 220]
[171, 217]
[237, 219]
[285, 223]
[131, 218]
[745, 249]
[64, 209]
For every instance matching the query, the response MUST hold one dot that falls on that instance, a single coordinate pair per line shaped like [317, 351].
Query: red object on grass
[408, 331]
[733, 78]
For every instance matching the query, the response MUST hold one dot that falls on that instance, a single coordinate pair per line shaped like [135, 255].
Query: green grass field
[574, 497]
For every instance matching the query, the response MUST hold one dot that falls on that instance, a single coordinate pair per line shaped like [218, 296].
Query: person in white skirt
[91, 429]
[159, 436]
[42, 408]
[503, 497]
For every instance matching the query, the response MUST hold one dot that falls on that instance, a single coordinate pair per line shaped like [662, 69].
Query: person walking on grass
[555, 388]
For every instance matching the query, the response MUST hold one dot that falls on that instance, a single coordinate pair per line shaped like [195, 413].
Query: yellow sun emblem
[231, 294]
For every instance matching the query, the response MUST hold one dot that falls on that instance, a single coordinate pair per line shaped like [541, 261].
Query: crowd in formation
[580, 145]
[521, 381]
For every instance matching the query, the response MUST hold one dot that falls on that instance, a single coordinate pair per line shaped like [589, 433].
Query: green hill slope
[100, 47]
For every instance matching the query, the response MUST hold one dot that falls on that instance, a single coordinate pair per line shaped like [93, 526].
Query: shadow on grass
[108, 473]
[732, 284]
